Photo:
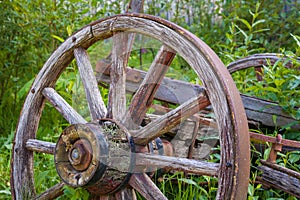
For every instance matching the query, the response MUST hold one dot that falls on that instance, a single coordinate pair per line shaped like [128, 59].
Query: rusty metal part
[80, 155]
[256, 137]
[258, 73]
[276, 147]
[74, 144]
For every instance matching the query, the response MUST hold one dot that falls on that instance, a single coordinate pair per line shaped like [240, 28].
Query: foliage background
[31, 30]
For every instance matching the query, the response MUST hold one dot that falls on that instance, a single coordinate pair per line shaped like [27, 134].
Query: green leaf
[258, 22]
[58, 38]
[278, 82]
[246, 23]
[296, 38]
[294, 157]
[243, 32]
[294, 84]
[24, 90]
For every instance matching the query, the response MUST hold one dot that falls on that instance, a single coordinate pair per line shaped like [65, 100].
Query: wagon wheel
[113, 129]
[257, 61]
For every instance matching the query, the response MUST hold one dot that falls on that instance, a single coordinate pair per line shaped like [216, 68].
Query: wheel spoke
[169, 120]
[40, 146]
[94, 99]
[144, 185]
[62, 106]
[52, 192]
[126, 194]
[144, 96]
[192, 166]
[122, 44]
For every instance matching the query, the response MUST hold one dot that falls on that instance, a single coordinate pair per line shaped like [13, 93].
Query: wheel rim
[234, 166]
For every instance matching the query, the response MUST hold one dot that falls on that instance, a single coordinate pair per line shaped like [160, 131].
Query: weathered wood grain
[40, 146]
[166, 122]
[93, 96]
[170, 90]
[281, 178]
[126, 194]
[145, 186]
[122, 43]
[178, 164]
[258, 60]
[135, 6]
[52, 193]
[262, 111]
[144, 96]
[71, 115]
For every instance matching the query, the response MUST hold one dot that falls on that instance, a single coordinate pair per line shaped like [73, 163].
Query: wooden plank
[145, 186]
[281, 178]
[144, 96]
[257, 110]
[62, 106]
[169, 90]
[94, 99]
[166, 122]
[262, 111]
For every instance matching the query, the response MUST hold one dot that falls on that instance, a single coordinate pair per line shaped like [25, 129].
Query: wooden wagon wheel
[84, 151]
[258, 61]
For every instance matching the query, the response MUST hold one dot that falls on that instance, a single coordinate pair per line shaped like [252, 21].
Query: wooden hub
[97, 156]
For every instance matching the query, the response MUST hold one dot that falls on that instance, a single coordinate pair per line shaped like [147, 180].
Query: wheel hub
[97, 156]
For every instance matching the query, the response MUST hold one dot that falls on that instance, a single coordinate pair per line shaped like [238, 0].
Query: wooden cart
[153, 119]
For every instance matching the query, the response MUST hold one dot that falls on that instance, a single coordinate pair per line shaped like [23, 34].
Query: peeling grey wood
[122, 43]
[145, 186]
[71, 115]
[197, 167]
[262, 111]
[52, 193]
[166, 122]
[94, 99]
[281, 178]
[258, 60]
[40, 146]
[183, 139]
[144, 96]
